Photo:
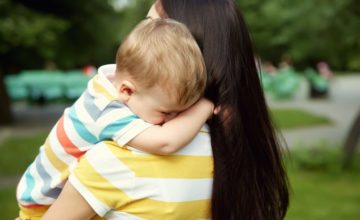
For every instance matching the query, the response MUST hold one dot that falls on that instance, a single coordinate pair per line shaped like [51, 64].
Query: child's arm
[176, 133]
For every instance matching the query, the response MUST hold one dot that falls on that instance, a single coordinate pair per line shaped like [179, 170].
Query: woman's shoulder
[157, 179]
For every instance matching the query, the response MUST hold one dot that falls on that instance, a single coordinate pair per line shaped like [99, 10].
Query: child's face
[154, 105]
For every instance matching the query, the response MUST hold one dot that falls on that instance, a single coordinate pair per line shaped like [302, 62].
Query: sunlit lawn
[8, 205]
[320, 190]
[295, 118]
[14, 159]
[324, 195]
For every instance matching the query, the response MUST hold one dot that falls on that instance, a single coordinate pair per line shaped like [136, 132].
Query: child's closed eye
[166, 113]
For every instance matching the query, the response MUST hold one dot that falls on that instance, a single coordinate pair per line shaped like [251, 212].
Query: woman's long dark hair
[250, 182]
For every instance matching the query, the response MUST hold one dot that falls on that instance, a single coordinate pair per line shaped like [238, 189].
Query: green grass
[8, 205]
[288, 118]
[321, 189]
[324, 196]
[18, 153]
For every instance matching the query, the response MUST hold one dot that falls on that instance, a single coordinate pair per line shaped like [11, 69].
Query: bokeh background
[308, 54]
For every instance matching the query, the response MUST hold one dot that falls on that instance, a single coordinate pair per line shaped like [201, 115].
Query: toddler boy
[148, 100]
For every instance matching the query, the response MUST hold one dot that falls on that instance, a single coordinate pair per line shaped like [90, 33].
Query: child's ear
[126, 89]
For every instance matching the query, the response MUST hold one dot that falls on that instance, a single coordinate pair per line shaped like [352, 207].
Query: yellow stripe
[32, 213]
[97, 218]
[108, 194]
[203, 132]
[100, 88]
[55, 161]
[167, 210]
[186, 166]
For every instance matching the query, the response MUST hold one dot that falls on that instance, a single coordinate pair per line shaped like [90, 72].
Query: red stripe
[33, 206]
[65, 142]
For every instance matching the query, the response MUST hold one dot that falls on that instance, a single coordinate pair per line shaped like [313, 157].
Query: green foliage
[317, 159]
[68, 33]
[27, 36]
[92, 36]
[308, 31]
[29, 29]
[74, 33]
[321, 157]
[133, 15]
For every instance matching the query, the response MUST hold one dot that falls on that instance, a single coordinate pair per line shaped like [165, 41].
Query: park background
[69, 35]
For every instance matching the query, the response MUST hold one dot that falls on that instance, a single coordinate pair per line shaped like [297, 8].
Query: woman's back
[122, 183]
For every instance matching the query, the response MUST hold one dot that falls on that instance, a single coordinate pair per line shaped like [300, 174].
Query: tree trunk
[351, 141]
[5, 105]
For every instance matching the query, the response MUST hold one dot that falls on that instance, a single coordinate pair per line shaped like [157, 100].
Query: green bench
[44, 85]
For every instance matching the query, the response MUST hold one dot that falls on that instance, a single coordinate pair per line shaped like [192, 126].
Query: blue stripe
[30, 184]
[46, 189]
[114, 105]
[80, 127]
[109, 131]
[91, 108]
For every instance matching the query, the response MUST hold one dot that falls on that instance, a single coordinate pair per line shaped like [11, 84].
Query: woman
[249, 179]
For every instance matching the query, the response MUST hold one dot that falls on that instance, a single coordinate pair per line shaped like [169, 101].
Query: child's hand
[217, 109]
[204, 105]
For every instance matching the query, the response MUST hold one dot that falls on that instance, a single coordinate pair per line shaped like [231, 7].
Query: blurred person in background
[324, 70]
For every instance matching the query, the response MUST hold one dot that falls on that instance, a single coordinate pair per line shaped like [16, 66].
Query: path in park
[341, 107]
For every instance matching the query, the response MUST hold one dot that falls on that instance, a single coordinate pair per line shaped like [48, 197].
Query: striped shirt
[96, 116]
[121, 183]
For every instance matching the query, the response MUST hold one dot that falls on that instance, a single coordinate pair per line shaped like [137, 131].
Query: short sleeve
[120, 124]
[132, 130]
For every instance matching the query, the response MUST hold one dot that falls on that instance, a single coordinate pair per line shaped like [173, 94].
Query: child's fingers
[217, 109]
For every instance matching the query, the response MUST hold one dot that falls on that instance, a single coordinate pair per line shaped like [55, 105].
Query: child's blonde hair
[163, 52]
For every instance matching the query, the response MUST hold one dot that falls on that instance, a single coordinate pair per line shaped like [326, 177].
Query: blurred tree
[84, 31]
[26, 38]
[95, 29]
[74, 33]
[308, 31]
[351, 142]
[133, 14]
[5, 111]
[65, 32]
[68, 33]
